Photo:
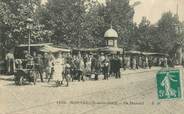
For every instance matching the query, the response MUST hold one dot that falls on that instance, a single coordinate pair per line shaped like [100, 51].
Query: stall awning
[111, 49]
[133, 52]
[146, 53]
[48, 48]
[152, 53]
[34, 45]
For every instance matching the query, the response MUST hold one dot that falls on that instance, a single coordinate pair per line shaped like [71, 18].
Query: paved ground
[134, 93]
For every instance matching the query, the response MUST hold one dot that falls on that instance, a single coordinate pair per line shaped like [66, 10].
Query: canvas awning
[111, 49]
[52, 49]
[146, 53]
[34, 45]
[152, 53]
[133, 52]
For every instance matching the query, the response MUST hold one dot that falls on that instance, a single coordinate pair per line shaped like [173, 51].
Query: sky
[153, 9]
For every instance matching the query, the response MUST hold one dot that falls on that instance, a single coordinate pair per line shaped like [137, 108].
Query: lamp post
[29, 27]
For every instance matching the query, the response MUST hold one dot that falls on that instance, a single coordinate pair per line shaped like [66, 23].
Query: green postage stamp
[169, 84]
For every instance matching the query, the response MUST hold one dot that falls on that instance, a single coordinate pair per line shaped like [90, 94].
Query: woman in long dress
[10, 63]
[58, 69]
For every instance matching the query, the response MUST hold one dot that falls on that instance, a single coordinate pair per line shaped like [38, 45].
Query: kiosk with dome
[111, 39]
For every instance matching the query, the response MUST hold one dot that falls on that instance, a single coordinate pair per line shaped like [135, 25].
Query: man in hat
[50, 66]
[97, 67]
[105, 68]
[117, 67]
[85, 59]
[66, 72]
[112, 65]
[101, 60]
[38, 60]
[27, 59]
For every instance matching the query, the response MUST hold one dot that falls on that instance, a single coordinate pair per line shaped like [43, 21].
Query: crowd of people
[64, 67]
[144, 62]
[71, 66]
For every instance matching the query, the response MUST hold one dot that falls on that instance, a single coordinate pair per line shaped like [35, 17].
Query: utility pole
[179, 30]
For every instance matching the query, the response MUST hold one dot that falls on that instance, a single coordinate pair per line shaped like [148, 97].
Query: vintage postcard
[91, 56]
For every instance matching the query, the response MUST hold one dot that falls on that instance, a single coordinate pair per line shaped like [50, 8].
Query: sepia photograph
[91, 56]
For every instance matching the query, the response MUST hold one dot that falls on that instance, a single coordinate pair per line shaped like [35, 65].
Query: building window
[111, 42]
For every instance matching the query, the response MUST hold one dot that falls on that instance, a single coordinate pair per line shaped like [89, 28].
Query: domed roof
[111, 33]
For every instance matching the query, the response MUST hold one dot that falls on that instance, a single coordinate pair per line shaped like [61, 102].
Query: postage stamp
[169, 84]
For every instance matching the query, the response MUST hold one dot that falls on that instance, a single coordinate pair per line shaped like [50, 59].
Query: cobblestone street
[114, 96]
